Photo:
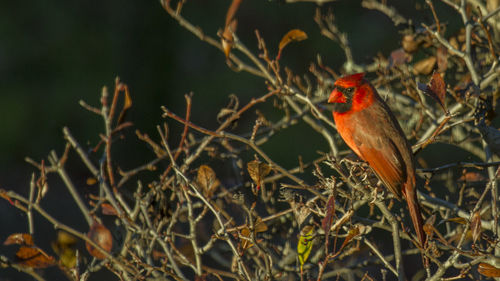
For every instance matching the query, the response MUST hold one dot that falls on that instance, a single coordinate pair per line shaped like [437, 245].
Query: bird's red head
[350, 93]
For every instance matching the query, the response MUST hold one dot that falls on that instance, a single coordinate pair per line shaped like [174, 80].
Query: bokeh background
[55, 53]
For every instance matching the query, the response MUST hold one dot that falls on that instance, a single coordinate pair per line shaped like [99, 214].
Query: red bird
[369, 128]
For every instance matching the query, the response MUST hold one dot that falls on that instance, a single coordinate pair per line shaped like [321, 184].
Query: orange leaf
[126, 105]
[475, 226]
[294, 35]
[353, 232]
[100, 235]
[91, 181]
[488, 270]
[230, 27]
[34, 257]
[458, 220]
[109, 210]
[231, 12]
[20, 239]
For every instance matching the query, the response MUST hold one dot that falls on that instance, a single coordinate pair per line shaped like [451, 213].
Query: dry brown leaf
[258, 171]
[259, 225]
[227, 37]
[100, 235]
[475, 226]
[353, 232]
[127, 104]
[472, 177]
[442, 59]
[436, 88]
[230, 27]
[488, 270]
[294, 35]
[327, 221]
[34, 257]
[207, 180]
[458, 220]
[424, 66]
[410, 44]
[429, 225]
[109, 210]
[398, 57]
[19, 239]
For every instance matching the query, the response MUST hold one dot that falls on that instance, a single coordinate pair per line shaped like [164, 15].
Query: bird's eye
[349, 90]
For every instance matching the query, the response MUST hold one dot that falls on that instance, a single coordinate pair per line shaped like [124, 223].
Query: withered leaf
[488, 270]
[127, 104]
[457, 220]
[20, 239]
[424, 66]
[472, 177]
[429, 225]
[327, 221]
[258, 171]
[294, 35]
[435, 89]
[442, 59]
[207, 180]
[100, 235]
[398, 57]
[91, 181]
[109, 210]
[410, 44]
[227, 37]
[34, 257]
[475, 226]
[259, 226]
[353, 232]
[230, 27]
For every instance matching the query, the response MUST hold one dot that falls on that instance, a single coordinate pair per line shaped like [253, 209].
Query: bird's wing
[376, 144]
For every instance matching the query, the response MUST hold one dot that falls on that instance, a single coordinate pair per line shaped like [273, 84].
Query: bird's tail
[416, 215]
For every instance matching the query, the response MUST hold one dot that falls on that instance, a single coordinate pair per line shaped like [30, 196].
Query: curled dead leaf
[258, 171]
[294, 35]
[19, 239]
[327, 221]
[100, 235]
[230, 27]
[436, 88]
[34, 257]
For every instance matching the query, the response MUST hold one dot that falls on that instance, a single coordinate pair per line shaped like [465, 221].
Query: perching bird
[370, 129]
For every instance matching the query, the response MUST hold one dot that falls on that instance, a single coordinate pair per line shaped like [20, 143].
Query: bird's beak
[336, 97]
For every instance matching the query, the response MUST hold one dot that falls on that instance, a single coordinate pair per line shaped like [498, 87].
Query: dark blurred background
[55, 53]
